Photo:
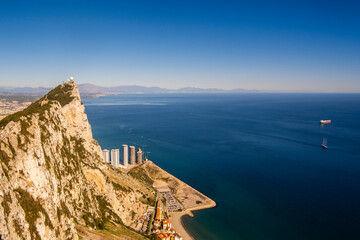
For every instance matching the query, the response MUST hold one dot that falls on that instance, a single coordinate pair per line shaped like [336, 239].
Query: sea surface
[258, 156]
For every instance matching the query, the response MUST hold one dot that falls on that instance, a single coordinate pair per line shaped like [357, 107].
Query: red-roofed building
[163, 236]
[166, 224]
[158, 210]
[177, 236]
[156, 224]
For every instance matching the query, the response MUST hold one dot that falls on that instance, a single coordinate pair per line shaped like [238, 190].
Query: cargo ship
[325, 121]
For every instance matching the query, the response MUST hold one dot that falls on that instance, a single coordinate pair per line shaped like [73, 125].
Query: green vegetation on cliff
[61, 94]
[6, 202]
[140, 173]
[32, 208]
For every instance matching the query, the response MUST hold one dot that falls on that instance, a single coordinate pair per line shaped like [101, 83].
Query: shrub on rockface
[32, 208]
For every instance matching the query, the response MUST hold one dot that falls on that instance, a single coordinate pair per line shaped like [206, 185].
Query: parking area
[171, 203]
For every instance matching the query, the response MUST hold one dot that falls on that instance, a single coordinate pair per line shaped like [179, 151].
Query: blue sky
[266, 45]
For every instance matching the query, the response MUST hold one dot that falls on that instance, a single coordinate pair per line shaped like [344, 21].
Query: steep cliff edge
[52, 175]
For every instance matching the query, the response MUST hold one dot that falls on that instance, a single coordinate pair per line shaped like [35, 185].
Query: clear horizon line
[202, 88]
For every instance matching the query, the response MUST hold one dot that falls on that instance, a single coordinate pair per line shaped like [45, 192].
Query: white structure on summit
[125, 154]
[106, 155]
[115, 155]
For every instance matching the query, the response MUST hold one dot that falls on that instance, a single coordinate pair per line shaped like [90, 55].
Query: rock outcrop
[52, 175]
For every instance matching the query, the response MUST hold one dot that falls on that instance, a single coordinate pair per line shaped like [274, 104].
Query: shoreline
[190, 198]
[177, 219]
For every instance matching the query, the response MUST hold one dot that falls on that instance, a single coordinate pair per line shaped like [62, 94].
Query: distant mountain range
[88, 90]
[24, 90]
[94, 89]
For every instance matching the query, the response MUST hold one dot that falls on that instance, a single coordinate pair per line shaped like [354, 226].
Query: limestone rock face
[52, 175]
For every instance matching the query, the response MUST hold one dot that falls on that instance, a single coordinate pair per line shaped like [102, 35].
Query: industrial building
[115, 157]
[132, 155]
[139, 156]
[106, 155]
[125, 155]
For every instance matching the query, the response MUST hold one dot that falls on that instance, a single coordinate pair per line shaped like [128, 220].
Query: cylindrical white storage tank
[132, 155]
[125, 154]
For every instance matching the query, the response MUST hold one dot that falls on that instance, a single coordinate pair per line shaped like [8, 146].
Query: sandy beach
[178, 224]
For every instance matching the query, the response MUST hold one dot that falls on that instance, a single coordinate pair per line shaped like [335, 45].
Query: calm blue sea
[257, 155]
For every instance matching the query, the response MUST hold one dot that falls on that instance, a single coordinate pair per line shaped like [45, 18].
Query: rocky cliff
[52, 176]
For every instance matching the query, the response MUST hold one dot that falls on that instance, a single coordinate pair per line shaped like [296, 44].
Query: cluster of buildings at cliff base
[162, 225]
[135, 158]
